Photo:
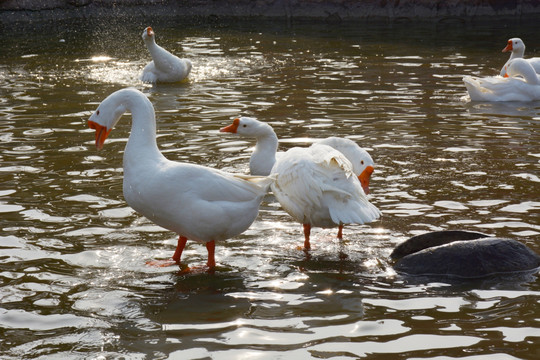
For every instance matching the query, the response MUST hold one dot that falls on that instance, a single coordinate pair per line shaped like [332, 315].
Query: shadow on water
[513, 109]
[519, 281]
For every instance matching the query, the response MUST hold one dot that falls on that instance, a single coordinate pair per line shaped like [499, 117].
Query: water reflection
[74, 280]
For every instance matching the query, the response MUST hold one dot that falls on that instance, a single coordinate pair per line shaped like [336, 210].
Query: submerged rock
[462, 254]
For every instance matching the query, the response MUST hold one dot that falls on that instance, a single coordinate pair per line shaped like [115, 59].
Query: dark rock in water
[435, 238]
[474, 258]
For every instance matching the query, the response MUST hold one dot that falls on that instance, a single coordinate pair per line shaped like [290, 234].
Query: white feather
[165, 67]
[195, 201]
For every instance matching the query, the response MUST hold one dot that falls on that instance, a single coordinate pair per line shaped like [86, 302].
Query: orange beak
[101, 133]
[508, 47]
[231, 128]
[149, 31]
[364, 178]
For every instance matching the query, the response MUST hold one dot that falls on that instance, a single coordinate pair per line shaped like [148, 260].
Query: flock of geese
[517, 81]
[323, 185]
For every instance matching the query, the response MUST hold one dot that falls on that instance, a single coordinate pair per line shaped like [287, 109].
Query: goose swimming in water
[164, 67]
[521, 83]
[516, 46]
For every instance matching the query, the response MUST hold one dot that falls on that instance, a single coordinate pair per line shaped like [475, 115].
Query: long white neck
[520, 67]
[158, 53]
[515, 54]
[264, 156]
[142, 140]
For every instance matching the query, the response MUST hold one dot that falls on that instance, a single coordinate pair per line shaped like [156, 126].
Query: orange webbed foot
[197, 270]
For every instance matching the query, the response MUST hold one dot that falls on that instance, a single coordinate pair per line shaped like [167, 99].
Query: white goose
[360, 159]
[165, 66]
[196, 202]
[523, 68]
[317, 186]
[517, 48]
[521, 84]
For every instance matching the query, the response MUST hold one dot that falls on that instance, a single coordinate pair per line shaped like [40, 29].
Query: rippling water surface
[73, 279]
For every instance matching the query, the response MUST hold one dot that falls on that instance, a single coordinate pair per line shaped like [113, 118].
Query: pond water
[73, 279]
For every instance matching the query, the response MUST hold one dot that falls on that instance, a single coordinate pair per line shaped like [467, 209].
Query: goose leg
[176, 257]
[340, 232]
[179, 248]
[342, 255]
[307, 231]
[211, 247]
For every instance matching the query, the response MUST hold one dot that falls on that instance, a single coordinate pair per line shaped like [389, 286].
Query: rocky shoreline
[326, 10]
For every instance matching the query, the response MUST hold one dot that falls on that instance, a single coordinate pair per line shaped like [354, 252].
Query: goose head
[516, 46]
[363, 165]
[106, 116]
[148, 34]
[248, 127]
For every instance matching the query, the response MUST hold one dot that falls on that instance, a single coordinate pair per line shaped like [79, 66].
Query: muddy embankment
[324, 10]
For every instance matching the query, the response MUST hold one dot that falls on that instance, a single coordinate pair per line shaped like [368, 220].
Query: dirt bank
[327, 10]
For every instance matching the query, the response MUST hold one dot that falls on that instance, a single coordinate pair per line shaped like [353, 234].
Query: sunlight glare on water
[74, 283]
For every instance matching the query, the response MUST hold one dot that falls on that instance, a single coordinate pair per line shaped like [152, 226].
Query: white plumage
[521, 84]
[517, 48]
[164, 67]
[197, 202]
[318, 185]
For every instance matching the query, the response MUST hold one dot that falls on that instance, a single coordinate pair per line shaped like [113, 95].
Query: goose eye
[362, 162]
[244, 125]
[97, 112]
